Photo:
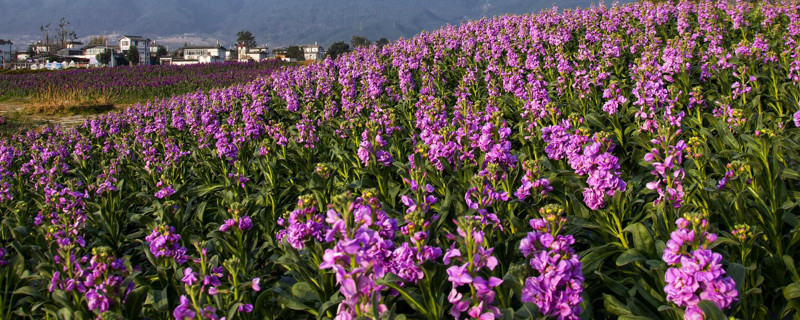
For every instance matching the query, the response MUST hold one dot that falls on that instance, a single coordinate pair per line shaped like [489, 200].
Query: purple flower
[797, 119]
[165, 242]
[696, 272]
[245, 223]
[165, 191]
[189, 277]
[458, 275]
[246, 308]
[97, 301]
[184, 310]
[557, 288]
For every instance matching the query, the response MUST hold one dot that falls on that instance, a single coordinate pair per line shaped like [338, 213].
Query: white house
[40, 48]
[140, 43]
[98, 49]
[246, 53]
[213, 53]
[314, 52]
[22, 56]
[74, 45]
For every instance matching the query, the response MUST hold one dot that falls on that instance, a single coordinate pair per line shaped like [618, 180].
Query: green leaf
[611, 284]
[594, 257]
[792, 291]
[407, 296]
[642, 239]
[711, 311]
[737, 272]
[614, 306]
[27, 290]
[65, 314]
[629, 256]
[134, 302]
[290, 302]
[626, 317]
[303, 291]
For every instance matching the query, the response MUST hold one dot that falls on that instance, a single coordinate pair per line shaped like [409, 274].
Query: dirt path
[16, 117]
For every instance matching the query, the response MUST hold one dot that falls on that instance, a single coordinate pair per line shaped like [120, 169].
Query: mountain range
[273, 22]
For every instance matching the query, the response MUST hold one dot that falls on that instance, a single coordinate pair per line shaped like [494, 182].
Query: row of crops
[634, 161]
[130, 84]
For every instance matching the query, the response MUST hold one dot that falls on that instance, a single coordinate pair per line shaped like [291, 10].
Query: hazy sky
[273, 22]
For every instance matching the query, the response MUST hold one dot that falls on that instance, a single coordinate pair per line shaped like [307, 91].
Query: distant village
[60, 49]
[107, 53]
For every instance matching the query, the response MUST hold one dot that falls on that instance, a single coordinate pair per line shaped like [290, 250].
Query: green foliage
[104, 57]
[337, 48]
[295, 52]
[360, 41]
[246, 38]
[132, 56]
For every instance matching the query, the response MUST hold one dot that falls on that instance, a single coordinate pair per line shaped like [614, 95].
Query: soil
[21, 115]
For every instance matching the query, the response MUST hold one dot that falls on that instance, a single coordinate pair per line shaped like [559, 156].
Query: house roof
[68, 52]
[203, 47]
[135, 38]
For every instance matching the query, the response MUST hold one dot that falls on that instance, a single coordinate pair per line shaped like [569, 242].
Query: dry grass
[54, 100]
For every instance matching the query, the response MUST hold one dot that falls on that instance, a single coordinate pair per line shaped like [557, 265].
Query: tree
[360, 41]
[246, 38]
[295, 52]
[161, 51]
[133, 55]
[382, 42]
[337, 48]
[104, 57]
[64, 35]
[97, 41]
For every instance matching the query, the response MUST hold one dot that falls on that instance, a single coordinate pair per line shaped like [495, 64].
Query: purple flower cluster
[103, 279]
[482, 195]
[244, 223]
[363, 253]
[467, 271]
[99, 277]
[165, 242]
[419, 206]
[797, 119]
[164, 190]
[695, 271]
[203, 285]
[3, 258]
[208, 285]
[530, 181]
[587, 156]
[734, 170]
[372, 147]
[63, 216]
[304, 224]
[668, 171]
[614, 99]
[556, 286]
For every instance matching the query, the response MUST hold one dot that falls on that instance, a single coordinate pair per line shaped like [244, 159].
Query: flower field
[128, 84]
[633, 162]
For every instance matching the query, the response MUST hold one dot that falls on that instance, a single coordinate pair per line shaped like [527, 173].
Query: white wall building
[247, 53]
[216, 53]
[314, 52]
[140, 43]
